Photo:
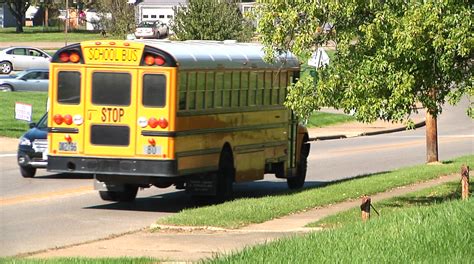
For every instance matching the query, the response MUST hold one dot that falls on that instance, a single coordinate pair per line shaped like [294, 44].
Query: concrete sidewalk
[185, 244]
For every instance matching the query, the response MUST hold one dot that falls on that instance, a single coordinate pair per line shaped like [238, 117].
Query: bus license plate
[66, 146]
[152, 150]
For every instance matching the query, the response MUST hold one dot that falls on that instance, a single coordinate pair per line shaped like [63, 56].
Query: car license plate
[152, 150]
[66, 146]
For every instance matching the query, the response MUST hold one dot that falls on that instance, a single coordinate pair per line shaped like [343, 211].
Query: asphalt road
[53, 210]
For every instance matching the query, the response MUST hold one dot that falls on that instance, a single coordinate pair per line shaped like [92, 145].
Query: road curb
[373, 133]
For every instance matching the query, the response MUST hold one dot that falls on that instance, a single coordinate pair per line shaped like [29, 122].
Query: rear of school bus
[112, 113]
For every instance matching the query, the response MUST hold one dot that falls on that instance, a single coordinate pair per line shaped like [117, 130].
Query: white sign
[23, 111]
[319, 58]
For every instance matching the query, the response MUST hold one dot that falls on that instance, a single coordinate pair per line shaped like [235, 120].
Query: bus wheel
[127, 195]
[297, 182]
[225, 177]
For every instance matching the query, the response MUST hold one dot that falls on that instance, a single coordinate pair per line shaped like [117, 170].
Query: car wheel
[5, 67]
[6, 88]
[27, 171]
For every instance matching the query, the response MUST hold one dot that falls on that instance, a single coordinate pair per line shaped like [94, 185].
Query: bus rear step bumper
[110, 166]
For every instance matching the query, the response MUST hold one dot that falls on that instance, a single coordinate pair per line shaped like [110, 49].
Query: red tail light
[163, 123]
[68, 119]
[152, 122]
[58, 119]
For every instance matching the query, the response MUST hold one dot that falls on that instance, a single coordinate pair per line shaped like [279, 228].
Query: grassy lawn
[32, 34]
[79, 261]
[242, 212]
[441, 233]
[9, 126]
[427, 197]
[322, 119]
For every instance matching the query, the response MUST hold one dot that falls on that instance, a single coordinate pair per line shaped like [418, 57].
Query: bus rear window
[154, 90]
[69, 87]
[110, 88]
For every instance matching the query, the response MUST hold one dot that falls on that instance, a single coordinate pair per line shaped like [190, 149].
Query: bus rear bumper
[109, 166]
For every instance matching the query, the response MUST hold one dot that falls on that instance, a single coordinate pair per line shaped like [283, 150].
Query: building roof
[217, 54]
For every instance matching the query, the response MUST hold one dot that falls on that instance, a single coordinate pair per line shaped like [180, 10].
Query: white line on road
[7, 155]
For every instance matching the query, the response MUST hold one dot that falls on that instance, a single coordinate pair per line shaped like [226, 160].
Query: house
[162, 10]
[149, 10]
[6, 17]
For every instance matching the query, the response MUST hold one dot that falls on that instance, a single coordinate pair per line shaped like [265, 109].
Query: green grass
[35, 34]
[322, 119]
[79, 261]
[242, 212]
[427, 197]
[440, 233]
[9, 126]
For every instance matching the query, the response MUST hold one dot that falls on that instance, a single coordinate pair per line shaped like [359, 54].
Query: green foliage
[389, 54]
[117, 17]
[211, 20]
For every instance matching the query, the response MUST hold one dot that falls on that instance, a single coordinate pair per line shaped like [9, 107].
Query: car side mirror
[32, 125]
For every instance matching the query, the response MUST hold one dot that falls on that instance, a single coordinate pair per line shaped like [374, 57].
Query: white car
[21, 58]
[151, 29]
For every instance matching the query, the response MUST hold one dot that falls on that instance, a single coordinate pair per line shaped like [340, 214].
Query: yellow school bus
[200, 115]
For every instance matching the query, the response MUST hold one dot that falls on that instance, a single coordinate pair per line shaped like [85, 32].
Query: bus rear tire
[225, 177]
[297, 182]
[127, 195]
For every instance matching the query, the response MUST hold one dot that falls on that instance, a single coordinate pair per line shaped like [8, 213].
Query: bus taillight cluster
[66, 56]
[67, 119]
[153, 122]
[151, 60]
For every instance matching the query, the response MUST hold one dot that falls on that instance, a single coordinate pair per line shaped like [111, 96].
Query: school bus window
[69, 87]
[111, 88]
[260, 87]
[219, 84]
[227, 96]
[191, 91]
[183, 78]
[283, 85]
[154, 90]
[244, 88]
[201, 90]
[268, 88]
[210, 90]
[252, 88]
[235, 88]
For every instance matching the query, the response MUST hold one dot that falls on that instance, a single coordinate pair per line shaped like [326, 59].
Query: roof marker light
[64, 57]
[149, 60]
[98, 43]
[74, 57]
[126, 44]
[111, 43]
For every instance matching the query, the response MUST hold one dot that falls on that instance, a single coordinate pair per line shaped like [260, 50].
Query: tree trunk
[431, 138]
[19, 25]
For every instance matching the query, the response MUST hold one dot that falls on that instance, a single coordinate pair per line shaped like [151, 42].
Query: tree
[18, 9]
[390, 55]
[210, 20]
[117, 17]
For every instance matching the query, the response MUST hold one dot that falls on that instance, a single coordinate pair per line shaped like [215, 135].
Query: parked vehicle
[28, 80]
[33, 147]
[151, 29]
[21, 58]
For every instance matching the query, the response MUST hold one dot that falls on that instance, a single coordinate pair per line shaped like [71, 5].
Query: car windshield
[146, 24]
[43, 123]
